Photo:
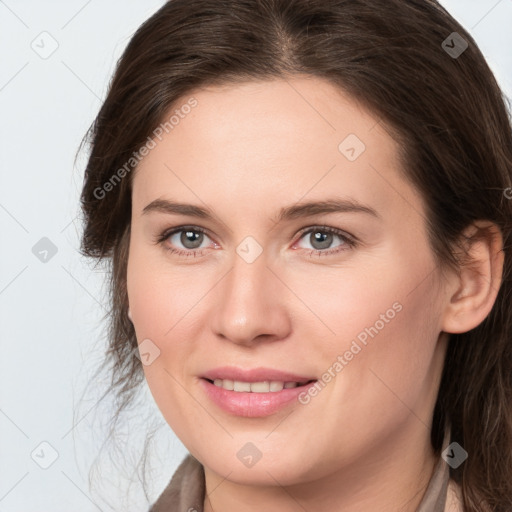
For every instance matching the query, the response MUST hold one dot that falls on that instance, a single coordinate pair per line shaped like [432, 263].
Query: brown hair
[446, 112]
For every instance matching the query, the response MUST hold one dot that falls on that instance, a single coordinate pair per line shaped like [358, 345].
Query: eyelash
[350, 242]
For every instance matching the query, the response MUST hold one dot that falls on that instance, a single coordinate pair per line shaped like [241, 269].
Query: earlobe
[479, 280]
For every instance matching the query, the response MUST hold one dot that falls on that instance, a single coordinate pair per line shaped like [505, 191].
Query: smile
[253, 399]
[266, 386]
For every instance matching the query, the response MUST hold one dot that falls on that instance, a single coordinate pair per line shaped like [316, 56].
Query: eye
[192, 238]
[189, 237]
[322, 237]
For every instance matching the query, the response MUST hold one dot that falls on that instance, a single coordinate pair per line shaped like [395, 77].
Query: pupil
[323, 239]
[191, 237]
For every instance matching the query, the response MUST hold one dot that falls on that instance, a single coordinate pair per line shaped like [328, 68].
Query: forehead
[291, 138]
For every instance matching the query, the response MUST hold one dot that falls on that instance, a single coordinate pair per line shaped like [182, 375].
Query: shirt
[187, 488]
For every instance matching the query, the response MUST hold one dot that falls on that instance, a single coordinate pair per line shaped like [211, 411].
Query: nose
[251, 304]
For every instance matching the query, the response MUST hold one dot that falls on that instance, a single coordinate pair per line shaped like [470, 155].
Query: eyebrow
[335, 205]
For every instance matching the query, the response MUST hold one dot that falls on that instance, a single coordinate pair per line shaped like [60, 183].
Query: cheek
[389, 358]
[160, 295]
[378, 328]
[161, 300]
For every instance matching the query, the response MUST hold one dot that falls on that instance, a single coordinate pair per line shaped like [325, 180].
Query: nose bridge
[248, 304]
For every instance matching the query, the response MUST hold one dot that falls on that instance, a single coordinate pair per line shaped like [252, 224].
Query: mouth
[254, 392]
[255, 398]
[259, 376]
[264, 386]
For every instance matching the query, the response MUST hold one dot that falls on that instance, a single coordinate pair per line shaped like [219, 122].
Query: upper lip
[259, 374]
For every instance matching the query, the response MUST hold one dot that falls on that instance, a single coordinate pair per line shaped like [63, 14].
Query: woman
[307, 210]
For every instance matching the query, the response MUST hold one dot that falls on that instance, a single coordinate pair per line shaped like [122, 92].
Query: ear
[473, 292]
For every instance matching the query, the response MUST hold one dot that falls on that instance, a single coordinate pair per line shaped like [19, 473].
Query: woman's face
[269, 273]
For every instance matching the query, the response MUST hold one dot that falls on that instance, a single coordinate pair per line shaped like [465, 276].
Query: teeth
[254, 387]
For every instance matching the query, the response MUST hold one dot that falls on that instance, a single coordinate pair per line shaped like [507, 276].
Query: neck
[391, 477]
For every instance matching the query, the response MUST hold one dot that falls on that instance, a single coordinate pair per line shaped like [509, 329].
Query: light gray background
[50, 312]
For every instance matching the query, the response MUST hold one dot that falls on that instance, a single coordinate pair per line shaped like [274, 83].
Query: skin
[246, 151]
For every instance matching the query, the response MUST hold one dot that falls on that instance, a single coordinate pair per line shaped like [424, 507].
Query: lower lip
[252, 405]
